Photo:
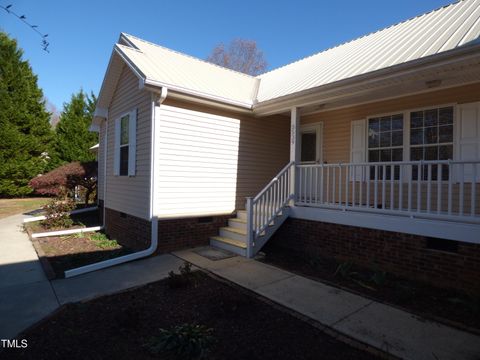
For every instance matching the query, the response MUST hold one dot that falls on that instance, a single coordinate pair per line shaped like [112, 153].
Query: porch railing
[448, 190]
[269, 203]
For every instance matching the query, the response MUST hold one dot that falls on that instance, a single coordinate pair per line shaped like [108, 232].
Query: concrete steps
[233, 237]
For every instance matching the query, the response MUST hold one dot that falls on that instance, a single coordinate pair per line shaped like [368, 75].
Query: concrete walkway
[26, 296]
[394, 331]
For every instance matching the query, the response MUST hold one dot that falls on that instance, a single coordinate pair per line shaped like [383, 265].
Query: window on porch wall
[385, 143]
[431, 138]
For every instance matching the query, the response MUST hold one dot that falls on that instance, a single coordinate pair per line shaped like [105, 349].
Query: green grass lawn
[19, 206]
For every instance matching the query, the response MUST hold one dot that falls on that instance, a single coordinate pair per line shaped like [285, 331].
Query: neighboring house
[369, 150]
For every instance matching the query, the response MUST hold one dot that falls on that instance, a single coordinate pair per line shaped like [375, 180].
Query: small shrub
[345, 270]
[102, 241]
[185, 269]
[180, 280]
[379, 277]
[57, 213]
[187, 341]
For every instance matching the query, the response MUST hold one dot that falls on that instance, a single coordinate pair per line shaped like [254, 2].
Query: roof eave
[311, 96]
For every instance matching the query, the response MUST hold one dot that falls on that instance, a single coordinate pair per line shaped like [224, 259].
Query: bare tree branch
[23, 18]
[240, 55]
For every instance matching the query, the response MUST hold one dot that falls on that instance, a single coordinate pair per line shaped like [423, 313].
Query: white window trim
[318, 127]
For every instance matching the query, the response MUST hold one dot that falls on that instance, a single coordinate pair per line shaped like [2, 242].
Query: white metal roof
[171, 68]
[439, 31]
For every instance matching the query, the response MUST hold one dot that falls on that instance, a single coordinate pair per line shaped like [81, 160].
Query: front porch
[414, 171]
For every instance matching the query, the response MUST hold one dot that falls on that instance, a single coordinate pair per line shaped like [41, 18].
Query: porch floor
[344, 314]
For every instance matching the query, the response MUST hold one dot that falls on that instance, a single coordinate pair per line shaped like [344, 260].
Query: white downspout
[153, 219]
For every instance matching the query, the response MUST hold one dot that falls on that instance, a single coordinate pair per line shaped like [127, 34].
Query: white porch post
[294, 147]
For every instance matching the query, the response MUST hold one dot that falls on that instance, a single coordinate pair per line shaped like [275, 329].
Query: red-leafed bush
[67, 177]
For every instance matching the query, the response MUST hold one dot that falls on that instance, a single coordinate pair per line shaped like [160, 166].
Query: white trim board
[433, 228]
[67, 232]
[73, 212]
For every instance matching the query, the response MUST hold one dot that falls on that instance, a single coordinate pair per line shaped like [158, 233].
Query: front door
[311, 143]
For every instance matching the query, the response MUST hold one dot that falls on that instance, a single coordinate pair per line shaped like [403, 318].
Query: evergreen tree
[25, 131]
[73, 138]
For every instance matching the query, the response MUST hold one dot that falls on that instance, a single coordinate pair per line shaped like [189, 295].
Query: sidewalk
[384, 327]
[26, 296]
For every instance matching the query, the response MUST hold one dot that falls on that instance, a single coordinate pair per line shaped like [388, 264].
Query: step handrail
[268, 204]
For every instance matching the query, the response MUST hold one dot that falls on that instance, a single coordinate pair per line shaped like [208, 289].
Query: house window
[124, 141]
[385, 143]
[431, 138]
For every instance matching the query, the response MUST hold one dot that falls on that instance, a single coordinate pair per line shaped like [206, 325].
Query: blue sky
[82, 33]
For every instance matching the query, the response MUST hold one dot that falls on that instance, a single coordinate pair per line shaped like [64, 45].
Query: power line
[23, 18]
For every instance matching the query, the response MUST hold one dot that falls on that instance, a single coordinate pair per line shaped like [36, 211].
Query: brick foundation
[128, 230]
[173, 234]
[398, 253]
[100, 210]
[188, 232]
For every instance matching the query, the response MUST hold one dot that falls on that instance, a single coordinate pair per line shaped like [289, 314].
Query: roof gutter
[311, 96]
[157, 99]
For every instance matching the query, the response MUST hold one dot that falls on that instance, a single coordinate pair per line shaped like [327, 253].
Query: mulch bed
[60, 253]
[69, 252]
[447, 306]
[120, 326]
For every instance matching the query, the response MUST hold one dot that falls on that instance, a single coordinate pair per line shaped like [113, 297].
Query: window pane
[416, 153]
[374, 124]
[124, 130]
[445, 152]
[416, 137]
[446, 116]
[124, 160]
[431, 117]
[416, 119]
[386, 155]
[385, 139]
[374, 155]
[397, 138]
[397, 122]
[430, 135]
[309, 147]
[397, 154]
[445, 133]
[431, 153]
[373, 138]
[385, 124]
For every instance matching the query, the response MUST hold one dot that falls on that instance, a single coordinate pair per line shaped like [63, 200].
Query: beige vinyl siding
[209, 161]
[130, 194]
[101, 160]
[336, 123]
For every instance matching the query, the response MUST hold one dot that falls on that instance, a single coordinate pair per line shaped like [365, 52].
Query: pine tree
[73, 138]
[25, 132]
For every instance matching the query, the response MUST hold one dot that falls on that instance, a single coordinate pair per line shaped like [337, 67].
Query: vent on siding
[450, 246]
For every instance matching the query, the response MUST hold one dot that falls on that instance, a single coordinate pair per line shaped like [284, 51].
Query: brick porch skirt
[173, 234]
[401, 254]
